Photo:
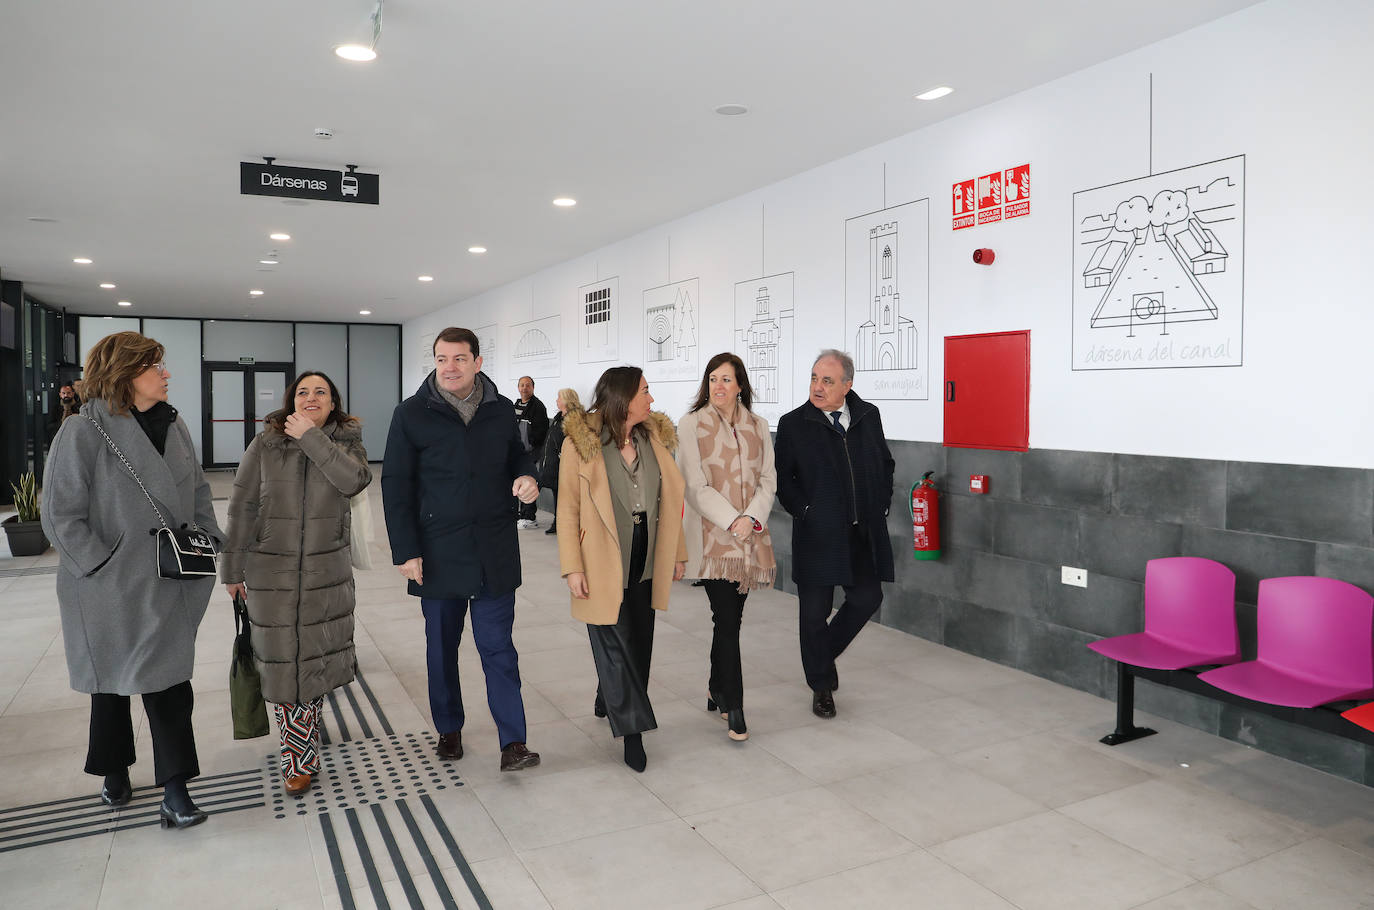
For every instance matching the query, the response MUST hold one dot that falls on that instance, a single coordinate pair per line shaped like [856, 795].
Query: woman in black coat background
[553, 447]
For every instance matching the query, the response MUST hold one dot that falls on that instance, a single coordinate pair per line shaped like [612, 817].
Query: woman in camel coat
[620, 542]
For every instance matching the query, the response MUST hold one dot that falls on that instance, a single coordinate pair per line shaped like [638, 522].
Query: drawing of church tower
[761, 349]
[887, 341]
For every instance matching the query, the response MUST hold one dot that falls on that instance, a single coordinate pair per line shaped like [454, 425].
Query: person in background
[66, 405]
[566, 401]
[533, 421]
[726, 458]
[128, 631]
[620, 541]
[289, 518]
[453, 460]
[835, 479]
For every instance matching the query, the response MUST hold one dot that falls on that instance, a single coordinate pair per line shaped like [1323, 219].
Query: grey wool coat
[126, 631]
[289, 529]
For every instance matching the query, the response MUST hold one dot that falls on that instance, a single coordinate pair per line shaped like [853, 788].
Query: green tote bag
[245, 684]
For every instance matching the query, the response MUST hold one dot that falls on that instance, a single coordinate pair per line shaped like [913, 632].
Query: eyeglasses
[160, 366]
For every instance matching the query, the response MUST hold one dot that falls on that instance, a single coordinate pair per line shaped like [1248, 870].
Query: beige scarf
[731, 457]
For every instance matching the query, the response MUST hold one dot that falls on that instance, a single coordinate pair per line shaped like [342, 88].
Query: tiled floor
[945, 782]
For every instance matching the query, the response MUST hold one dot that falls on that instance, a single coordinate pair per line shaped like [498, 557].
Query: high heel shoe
[737, 731]
[117, 790]
[713, 704]
[171, 818]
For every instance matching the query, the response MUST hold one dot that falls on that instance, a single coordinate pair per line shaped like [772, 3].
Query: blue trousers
[492, 621]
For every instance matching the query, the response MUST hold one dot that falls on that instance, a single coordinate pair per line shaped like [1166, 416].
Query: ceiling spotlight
[279, 236]
[426, 278]
[107, 286]
[364, 312]
[477, 249]
[732, 110]
[939, 91]
[565, 202]
[272, 261]
[125, 303]
[81, 260]
[255, 293]
[357, 53]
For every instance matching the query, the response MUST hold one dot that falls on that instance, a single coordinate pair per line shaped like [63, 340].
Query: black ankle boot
[634, 752]
[177, 810]
[117, 790]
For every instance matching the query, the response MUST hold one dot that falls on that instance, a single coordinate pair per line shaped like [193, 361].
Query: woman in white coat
[726, 458]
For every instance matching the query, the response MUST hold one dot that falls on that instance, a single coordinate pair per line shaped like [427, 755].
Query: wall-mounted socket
[1071, 576]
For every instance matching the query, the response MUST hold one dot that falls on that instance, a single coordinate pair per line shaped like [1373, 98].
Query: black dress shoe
[450, 745]
[634, 752]
[171, 818]
[117, 790]
[823, 703]
[517, 757]
[553, 528]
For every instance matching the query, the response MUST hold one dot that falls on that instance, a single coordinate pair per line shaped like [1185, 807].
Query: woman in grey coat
[288, 554]
[126, 630]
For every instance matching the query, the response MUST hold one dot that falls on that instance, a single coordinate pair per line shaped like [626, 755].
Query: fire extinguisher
[925, 518]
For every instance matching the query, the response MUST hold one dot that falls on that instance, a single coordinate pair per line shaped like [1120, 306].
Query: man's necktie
[835, 416]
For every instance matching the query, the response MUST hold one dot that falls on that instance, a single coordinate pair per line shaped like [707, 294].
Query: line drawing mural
[671, 350]
[426, 350]
[535, 349]
[887, 300]
[486, 340]
[598, 321]
[764, 334]
[1159, 270]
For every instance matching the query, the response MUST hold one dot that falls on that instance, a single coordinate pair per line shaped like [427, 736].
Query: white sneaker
[526, 524]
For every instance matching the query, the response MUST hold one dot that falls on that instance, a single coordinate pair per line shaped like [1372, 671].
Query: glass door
[237, 397]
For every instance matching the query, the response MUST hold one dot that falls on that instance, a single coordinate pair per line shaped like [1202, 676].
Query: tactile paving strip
[360, 772]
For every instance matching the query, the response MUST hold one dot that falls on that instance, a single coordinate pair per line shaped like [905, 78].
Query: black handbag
[185, 553]
[246, 703]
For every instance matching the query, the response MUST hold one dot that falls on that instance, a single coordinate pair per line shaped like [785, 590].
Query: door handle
[949, 390]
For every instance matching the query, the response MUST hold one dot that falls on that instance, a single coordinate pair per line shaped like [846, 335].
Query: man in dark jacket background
[835, 479]
[453, 460]
[532, 420]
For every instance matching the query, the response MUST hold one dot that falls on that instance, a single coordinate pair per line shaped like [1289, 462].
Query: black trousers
[726, 684]
[111, 746]
[822, 641]
[622, 652]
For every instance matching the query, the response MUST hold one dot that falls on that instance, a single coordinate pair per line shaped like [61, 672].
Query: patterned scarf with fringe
[732, 457]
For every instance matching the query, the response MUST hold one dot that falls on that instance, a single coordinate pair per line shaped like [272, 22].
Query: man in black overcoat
[835, 479]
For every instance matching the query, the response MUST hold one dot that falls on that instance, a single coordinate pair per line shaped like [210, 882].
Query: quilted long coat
[289, 527]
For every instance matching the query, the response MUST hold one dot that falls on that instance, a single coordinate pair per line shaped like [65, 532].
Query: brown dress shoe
[516, 757]
[450, 745]
[297, 784]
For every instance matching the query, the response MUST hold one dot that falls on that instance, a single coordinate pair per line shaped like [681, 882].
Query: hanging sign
[307, 183]
[999, 196]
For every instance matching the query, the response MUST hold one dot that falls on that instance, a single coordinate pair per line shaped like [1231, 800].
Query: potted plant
[24, 530]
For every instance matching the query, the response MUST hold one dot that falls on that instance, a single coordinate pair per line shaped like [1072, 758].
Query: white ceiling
[126, 122]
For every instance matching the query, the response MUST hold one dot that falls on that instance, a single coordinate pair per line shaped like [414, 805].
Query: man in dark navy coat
[453, 460]
[835, 479]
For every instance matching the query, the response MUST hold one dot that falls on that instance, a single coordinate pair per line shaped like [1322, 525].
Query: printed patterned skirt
[300, 737]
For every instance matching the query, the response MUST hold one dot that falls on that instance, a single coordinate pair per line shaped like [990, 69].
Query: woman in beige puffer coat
[288, 554]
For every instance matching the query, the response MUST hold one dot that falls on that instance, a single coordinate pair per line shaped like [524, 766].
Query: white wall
[1282, 83]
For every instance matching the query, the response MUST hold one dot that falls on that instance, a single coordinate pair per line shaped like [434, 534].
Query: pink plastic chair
[1190, 620]
[1190, 617]
[1315, 644]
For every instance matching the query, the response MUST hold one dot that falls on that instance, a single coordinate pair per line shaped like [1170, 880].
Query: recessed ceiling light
[565, 202]
[106, 285]
[732, 110]
[280, 236]
[477, 249]
[268, 261]
[358, 53]
[364, 312]
[426, 278]
[255, 293]
[81, 260]
[939, 91]
[125, 303]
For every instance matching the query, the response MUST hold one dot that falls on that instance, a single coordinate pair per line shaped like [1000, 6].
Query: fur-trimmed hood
[584, 430]
[337, 431]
